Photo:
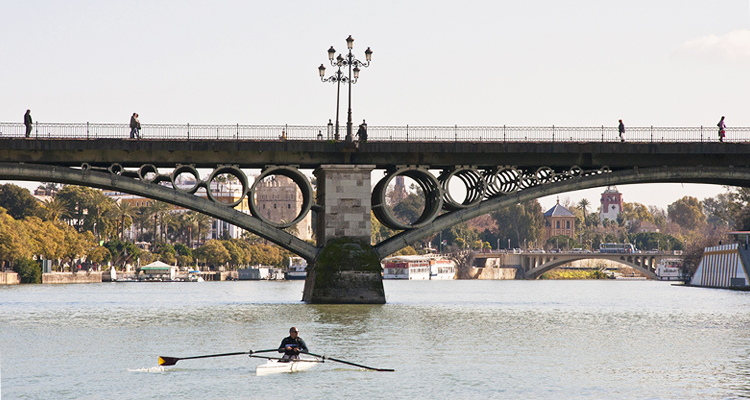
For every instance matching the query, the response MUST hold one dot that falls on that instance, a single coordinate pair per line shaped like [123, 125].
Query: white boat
[442, 268]
[423, 267]
[281, 366]
[297, 268]
[194, 276]
[670, 270]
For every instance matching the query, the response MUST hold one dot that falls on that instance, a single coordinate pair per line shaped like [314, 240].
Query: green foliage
[562, 242]
[635, 212]
[379, 231]
[18, 202]
[165, 253]
[182, 250]
[28, 270]
[573, 274]
[519, 222]
[410, 208]
[654, 240]
[99, 255]
[687, 212]
[213, 253]
[122, 252]
[90, 210]
[406, 251]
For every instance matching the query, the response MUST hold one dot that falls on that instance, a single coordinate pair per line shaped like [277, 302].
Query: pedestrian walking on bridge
[621, 129]
[135, 127]
[28, 122]
[722, 129]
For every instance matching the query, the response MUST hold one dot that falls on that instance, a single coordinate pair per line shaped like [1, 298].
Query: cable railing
[403, 133]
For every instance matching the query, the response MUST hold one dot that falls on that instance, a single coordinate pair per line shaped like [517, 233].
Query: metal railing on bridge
[89, 131]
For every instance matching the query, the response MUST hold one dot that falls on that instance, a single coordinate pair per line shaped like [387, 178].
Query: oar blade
[167, 361]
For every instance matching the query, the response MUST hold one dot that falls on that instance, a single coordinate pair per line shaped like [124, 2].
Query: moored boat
[423, 267]
[297, 269]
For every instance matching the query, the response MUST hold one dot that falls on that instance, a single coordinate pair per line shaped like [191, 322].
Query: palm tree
[202, 221]
[583, 205]
[125, 213]
[158, 210]
[56, 209]
[142, 218]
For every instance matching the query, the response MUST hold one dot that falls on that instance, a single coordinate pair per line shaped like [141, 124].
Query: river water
[446, 340]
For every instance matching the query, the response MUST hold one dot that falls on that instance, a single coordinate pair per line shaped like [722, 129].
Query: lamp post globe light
[338, 77]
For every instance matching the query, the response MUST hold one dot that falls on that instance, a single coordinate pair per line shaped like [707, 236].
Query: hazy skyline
[573, 63]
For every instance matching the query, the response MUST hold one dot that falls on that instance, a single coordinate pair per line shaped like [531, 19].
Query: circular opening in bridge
[227, 185]
[185, 178]
[282, 197]
[148, 173]
[502, 181]
[462, 188]
[405, 199]
[406, 192]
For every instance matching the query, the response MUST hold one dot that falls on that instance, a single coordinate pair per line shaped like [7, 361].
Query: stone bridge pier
[347, 270]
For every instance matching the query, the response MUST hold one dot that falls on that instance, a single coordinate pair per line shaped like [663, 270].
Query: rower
[292, 345]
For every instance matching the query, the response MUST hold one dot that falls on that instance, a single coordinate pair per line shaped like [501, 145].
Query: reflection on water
[446, 340]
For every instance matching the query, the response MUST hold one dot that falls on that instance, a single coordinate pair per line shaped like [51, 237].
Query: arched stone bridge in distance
[533, 265]
[495, 175]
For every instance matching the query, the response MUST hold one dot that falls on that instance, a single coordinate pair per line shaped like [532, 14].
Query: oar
[287, 359]
[351, 363]
[173, 360]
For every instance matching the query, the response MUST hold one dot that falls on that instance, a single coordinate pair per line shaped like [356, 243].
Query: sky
[535, 62]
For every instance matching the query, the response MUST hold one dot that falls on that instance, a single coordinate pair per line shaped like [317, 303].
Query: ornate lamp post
[339, 77]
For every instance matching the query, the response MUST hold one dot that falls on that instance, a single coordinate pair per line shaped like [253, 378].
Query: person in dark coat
[362, 132]
[28, 122]
[135, 127]
[621, 129]
[292, 345]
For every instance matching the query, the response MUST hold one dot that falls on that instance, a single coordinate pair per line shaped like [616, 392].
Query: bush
[28, 270]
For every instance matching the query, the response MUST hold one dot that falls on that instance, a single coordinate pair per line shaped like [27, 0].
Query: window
[289, 206]
[568, 225]
[274, 206]
[558, 225]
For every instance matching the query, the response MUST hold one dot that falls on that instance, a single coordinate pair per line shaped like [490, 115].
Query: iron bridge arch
[487, 191]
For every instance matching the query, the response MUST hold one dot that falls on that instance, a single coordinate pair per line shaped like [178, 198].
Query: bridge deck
[312, 153]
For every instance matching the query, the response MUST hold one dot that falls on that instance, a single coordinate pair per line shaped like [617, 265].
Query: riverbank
[9, 278]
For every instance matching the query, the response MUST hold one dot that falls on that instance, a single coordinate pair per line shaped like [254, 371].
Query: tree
[519, 222]
[125, 213]
[98, 255]
[687, 212]
[90, 210]
[13, 239]
[584, 205]
[213, 253]
[18, 201]
[635, 212]
[157, 210]
[55, 209]
[561, 241]
[410, 208]
[28, 270]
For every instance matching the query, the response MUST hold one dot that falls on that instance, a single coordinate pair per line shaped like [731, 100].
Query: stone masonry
[344, 193]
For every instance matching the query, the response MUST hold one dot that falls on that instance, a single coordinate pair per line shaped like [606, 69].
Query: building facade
[558, 220]
[611, 204]
[279, 199]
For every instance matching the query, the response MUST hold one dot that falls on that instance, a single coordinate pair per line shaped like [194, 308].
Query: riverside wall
[70, 277]
[504, 267]
[9, 278]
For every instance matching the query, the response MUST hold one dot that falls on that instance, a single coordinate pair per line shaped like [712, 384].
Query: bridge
[497, 166]
[532, 265]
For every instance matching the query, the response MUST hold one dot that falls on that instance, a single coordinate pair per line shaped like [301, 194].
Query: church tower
[611, 204]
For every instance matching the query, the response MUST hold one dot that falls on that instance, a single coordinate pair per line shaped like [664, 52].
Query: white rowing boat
[274, 366]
